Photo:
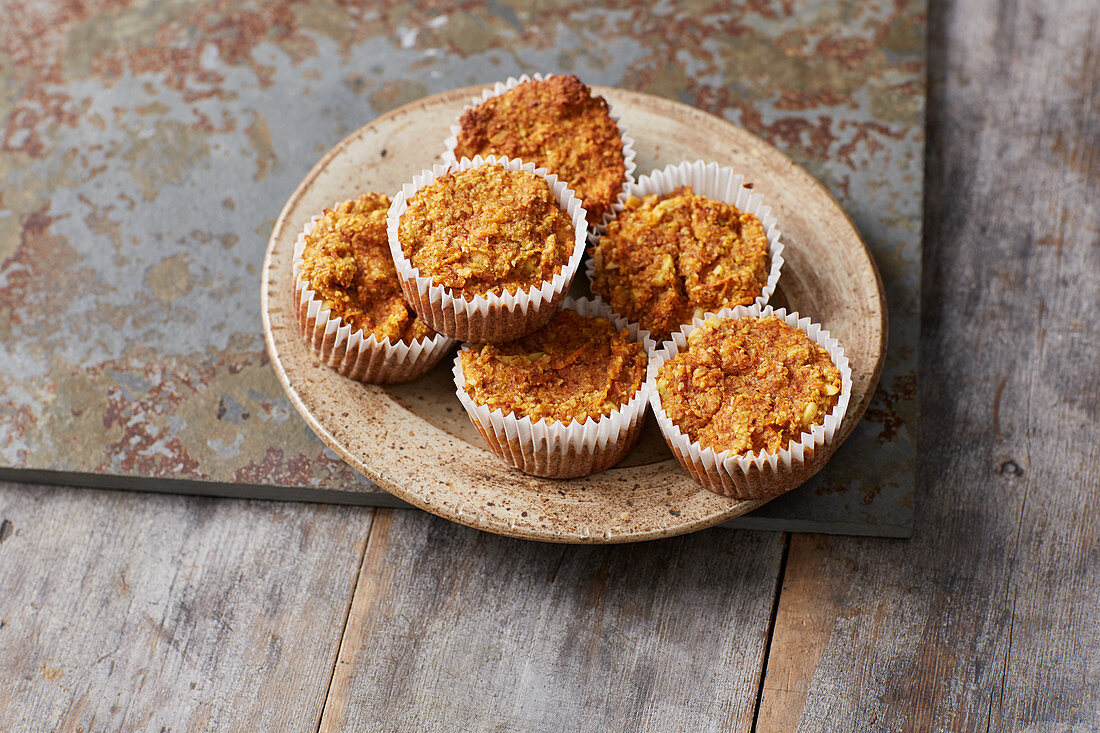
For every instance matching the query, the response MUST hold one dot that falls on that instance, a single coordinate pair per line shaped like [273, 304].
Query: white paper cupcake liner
[556, 450]
[754, 475]
[511, 83]
[493, 317]
[365, 359]
[716, 182]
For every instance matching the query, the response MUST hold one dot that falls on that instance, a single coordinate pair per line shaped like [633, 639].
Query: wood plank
[124, 611]
[989, 619]
[455, 629]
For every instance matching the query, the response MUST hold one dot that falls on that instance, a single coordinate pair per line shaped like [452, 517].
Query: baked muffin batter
[556, 124]
[748, 384]
[486, 229]
[574, 368]
[347, 262]
[670, 257]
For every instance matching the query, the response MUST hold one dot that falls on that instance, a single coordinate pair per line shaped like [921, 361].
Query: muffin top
[486, 229]
[574, 368]
[556, 124]
[347, 262]
[748, 384]
[670, 257]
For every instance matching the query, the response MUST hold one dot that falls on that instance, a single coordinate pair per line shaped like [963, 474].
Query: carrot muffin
[556, 124]
[347, 263]
[748, 384]
[670, 257]
[486, 229]
[567, 400]
[576, 367]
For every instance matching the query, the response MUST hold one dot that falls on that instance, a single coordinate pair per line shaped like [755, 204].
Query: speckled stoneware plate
[415, 440]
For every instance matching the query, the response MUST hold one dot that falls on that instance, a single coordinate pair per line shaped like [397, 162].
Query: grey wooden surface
[450, 624]
[121, 611]
[271, 616]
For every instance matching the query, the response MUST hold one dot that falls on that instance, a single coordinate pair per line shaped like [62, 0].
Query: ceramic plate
[415, 440]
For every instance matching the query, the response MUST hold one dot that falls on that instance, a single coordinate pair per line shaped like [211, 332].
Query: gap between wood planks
[379, 528]
[780, 577]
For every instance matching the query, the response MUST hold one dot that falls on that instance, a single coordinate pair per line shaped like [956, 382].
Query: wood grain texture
[454, 629]
[989, 619]
[123, 611]
[415, 440]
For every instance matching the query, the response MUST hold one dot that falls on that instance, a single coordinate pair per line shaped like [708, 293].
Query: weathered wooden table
[138, 611]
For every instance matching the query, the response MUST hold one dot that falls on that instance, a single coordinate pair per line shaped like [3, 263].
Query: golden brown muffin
[556, 124]
[574, 368]
[486, 229]
[347, 262]
[670, 257]
[748, 384]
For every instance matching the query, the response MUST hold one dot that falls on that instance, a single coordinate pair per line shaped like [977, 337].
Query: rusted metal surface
[147, 148]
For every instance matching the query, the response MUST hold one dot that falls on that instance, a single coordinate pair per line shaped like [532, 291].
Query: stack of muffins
[483, 248]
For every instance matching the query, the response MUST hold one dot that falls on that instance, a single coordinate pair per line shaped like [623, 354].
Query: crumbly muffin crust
[748, 384]
[486, 229]
[347, 262]
[670, 257]
[556, 124]
[574, 368]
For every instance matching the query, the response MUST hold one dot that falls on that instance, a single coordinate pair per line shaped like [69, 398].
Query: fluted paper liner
[716, 182]
[556, 450]
[493, 317]
[363, 358]
[511, 83]
[760, 474]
